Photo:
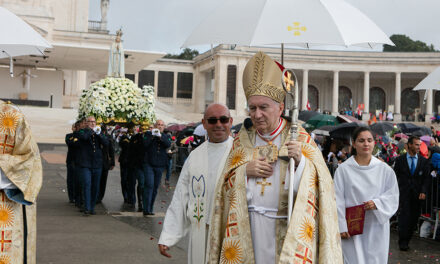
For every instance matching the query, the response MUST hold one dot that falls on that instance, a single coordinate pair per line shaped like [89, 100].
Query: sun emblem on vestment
[6, 216]
[232, 199]
[8, 122]
[307, 151]
[314, 181]
[231, 253]
[4, 259]
[307, 230]
[236, 159]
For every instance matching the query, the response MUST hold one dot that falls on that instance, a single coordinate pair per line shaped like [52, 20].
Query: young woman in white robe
[363, 179]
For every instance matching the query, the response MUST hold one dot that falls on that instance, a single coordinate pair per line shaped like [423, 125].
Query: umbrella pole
[282, 54]
[11, 67]
[11, 64]
[426, 95]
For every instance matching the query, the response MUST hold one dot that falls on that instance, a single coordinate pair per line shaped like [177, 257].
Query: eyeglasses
[213, 120]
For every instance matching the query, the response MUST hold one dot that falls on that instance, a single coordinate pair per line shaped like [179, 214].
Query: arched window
[436, 101]
[409, 102]
[313, 94]
[377, 99]
[344, 102]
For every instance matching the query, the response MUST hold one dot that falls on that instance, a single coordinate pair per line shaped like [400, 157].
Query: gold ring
[261, 171]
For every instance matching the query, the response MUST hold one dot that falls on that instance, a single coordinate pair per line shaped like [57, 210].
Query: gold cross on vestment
[263, 184]
[289, 82]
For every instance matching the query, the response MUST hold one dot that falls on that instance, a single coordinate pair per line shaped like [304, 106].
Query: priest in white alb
[191, 206]
[249, 223]
[365, 180]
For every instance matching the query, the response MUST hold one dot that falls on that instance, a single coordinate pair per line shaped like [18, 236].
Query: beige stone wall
[45, 83]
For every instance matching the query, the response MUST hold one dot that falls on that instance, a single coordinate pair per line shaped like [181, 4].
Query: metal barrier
[430, 212]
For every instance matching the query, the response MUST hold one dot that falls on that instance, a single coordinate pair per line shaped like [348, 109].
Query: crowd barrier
[431, 209]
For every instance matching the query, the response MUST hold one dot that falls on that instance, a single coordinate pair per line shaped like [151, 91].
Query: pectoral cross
[263, 184]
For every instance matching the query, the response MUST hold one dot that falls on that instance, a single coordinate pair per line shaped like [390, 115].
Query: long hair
[355, 135]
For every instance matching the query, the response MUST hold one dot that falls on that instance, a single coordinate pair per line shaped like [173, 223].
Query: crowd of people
[143, 157]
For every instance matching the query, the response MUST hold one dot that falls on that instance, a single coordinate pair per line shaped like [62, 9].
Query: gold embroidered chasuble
[313, 234]
[21, 164]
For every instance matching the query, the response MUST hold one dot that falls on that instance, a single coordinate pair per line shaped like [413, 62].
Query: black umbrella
[344, 130]
[323, 131]
[408, 128]
[306, 115]
[237, 127]
[422, 132]
[381, 128]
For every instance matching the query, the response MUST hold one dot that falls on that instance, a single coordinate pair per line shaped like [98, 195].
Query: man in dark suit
[70, 162]
[108, 163]
[156, 144]
[135, 156]
[91, 143]
[124, 143]
[412, 171]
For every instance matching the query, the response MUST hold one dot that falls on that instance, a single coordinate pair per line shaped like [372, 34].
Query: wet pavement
[145, 231]
[66, 236]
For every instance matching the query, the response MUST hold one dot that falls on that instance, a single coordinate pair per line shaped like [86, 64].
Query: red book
[355, 217]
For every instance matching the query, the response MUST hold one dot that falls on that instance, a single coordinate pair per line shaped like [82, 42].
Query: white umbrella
[431, 82]
[294, 22]
[200, 131]
[18, 38]
[303, 23]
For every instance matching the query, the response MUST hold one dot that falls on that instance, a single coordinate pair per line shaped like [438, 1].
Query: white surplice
[354, 185]
[263, 208]
[190, 208]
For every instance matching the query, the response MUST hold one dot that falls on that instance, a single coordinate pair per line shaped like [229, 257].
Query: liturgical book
[355, 219]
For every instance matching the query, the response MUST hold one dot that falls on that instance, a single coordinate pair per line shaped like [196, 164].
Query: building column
[199, 96]
[175, 88]
[156, 83]
[397, 94]
[305, 90]
[220, 80]
[136, 79]
[335, 97]
[240, 98]
[428, 112]
[366, 101]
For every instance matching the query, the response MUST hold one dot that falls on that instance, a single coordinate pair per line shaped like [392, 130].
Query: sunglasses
[213, 120]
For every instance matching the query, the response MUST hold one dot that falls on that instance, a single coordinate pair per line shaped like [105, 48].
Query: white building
[335, 80]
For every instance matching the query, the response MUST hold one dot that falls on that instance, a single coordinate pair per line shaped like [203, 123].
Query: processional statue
[116, 66]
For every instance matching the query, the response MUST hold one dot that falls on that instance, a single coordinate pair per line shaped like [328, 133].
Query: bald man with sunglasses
[190, 208]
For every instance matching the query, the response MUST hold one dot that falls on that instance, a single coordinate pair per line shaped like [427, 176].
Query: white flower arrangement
[118, 99]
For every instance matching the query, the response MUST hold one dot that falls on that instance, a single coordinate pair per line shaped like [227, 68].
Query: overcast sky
[163, 25]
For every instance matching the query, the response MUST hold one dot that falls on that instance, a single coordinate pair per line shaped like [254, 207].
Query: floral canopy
[118, 100]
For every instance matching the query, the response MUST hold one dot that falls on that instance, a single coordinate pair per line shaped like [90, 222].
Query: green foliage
[187, 54]
[405, 44]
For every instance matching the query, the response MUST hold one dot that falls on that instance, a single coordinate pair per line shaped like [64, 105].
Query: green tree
[406, 44]
[187, 54]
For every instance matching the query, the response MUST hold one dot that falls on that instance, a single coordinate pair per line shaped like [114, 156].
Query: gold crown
[262, 76]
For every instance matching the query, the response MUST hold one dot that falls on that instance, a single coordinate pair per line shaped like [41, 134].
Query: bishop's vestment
[21, 179]
[312, 235]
